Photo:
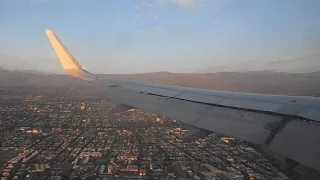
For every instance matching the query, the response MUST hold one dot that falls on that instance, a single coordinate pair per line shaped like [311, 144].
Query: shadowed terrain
[304, 84]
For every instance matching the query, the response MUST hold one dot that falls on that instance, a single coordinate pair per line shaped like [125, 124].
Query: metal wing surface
[287, 125]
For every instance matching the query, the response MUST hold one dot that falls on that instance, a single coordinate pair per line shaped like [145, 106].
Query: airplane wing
[287, 125]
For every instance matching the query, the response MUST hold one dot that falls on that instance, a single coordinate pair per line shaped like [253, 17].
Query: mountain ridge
[282, 83]
[301, 64]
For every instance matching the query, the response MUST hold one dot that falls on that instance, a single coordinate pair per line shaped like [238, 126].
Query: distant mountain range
[13, 84]
[302, 64]
[40, 64]
[29, 78]
[304, 84]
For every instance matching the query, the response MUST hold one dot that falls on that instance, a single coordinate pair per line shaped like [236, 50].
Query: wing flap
[253, 105]
[299, 141]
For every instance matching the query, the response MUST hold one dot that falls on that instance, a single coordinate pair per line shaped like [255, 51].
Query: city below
[73, 136]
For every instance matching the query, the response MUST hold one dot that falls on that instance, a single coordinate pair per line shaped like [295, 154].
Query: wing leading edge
[287, 125]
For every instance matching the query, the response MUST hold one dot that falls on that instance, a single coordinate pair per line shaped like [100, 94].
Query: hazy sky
[125, 36]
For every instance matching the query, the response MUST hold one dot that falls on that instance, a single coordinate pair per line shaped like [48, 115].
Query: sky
[133, 36]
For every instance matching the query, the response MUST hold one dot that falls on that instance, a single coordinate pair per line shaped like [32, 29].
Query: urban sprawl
[63, 138]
